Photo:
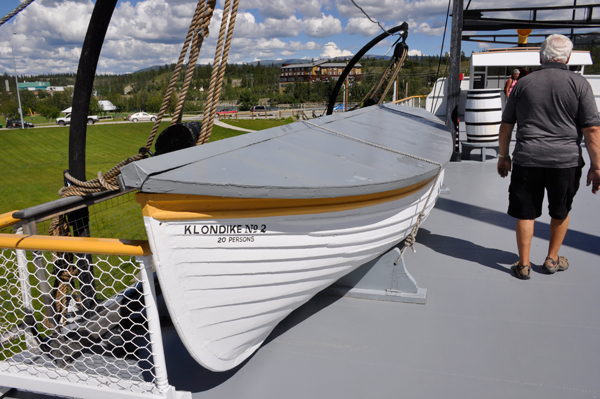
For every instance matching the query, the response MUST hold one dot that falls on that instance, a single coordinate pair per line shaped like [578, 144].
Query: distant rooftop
[321, 63]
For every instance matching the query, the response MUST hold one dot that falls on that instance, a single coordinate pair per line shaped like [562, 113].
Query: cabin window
[496, 76]
[575, 68]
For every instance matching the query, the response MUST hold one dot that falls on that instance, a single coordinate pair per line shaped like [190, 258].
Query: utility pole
[17, 81]
[453, 81]
[346, 95]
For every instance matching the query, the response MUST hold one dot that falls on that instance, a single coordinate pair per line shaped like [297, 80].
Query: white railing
[78, 315]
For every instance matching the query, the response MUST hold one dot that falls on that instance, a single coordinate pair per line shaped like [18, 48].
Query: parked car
[338, 108]
[259, 108]
[66, 120]
[141, 117]
[226, 111]
[16, 123]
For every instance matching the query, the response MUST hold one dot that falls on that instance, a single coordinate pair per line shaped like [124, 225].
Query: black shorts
[527, 186]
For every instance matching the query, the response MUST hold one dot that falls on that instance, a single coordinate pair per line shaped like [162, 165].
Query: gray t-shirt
[550, 106]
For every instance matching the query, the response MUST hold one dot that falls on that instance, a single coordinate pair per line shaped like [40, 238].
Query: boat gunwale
[181, 207]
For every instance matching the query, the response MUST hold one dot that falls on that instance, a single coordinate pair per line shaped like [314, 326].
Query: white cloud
[283, 9]
[151, 20]
[331, 50]
[325, 26]
[428, 30]
[247, 26]
[414, 52]
[143, 33]
[362, 26]
[394, 10]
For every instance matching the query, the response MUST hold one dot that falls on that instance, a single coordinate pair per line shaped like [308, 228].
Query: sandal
[521, 271]
[551, 266]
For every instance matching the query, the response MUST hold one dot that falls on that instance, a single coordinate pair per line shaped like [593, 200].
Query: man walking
[553, 108]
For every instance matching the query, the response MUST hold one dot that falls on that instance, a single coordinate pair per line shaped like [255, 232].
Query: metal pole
[17, 81]
[453, 82]
[573, 30]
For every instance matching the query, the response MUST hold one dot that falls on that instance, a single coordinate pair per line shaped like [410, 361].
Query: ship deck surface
[481, 334]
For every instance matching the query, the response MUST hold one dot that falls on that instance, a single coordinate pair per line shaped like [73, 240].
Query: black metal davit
[86, 72]
[358, 56]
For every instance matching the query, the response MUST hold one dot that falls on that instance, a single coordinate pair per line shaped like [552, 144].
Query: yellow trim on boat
[6, 219]
[87, 245]
[170, 207]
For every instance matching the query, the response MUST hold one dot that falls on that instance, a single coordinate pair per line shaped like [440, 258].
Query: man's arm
[504, 164]
[592, 144]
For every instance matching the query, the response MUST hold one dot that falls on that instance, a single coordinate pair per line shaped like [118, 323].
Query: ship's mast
[453, 83]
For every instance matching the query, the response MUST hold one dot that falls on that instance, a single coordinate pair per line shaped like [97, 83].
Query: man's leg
[524, 237]
[558, 231]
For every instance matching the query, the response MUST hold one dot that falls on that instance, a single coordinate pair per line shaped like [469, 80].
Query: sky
[47, 36]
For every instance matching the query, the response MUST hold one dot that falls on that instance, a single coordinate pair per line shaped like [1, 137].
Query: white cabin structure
[490, 70]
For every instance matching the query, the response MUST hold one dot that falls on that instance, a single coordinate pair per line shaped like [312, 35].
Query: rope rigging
[436, 94]
[389, 74]
[192, 45]
[367, 15]
[197, 32]
[14, 12]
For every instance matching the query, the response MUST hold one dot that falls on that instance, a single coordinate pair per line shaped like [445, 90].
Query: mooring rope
[14, 12]
[201, 32]
[108, 181]
[395, 70]
[384, 76]
[64, 270]
[411, 238]
[197, 31]
[218, 72]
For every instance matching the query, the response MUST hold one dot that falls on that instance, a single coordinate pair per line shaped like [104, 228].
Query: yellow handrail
[6, 219]
[409, 98]
[87, 245]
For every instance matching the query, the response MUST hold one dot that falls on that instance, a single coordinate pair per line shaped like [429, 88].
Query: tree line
[244, 84]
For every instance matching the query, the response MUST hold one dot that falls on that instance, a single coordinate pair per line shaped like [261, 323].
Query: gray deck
[481, 334]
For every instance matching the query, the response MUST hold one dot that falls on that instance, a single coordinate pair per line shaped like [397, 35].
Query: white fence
[78, 315]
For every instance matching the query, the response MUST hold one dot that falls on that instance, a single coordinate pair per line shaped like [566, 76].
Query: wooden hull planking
[228, 282]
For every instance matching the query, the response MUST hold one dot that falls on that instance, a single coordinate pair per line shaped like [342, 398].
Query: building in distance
[316, 71]
[34, 86]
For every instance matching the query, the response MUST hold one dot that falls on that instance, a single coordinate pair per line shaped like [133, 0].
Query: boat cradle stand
[467, 147]
[382, 280]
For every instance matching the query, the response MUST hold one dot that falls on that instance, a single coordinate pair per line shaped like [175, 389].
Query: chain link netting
[79, 318]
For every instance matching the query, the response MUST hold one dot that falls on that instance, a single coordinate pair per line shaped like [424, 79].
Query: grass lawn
[258, 124]
[32, 161]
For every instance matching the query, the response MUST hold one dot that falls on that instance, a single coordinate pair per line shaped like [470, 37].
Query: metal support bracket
[468, 147]
[382, 279]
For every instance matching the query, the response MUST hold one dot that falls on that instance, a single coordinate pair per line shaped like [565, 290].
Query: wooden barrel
[483, 115]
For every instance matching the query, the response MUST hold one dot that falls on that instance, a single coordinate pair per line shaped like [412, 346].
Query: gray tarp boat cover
[301, 160]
